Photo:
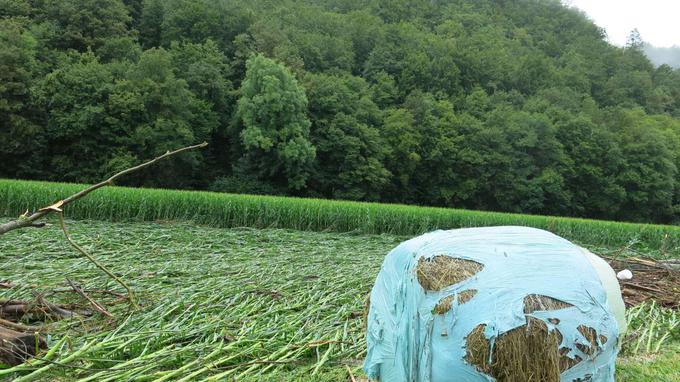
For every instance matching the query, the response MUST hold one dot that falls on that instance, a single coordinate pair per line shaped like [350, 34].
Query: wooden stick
[350, 374]
[92, 302]
[54, 309]
[642, 287]
[17, 326]
[99, 265]
[6, 284]
[17, 347]
[29, 221]
[90, 291]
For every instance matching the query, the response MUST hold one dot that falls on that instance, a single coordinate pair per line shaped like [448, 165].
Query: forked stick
[30, 220]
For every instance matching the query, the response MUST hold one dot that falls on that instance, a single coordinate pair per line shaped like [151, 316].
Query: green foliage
[82, 24]
[92, 104]
[499, 105]
[242, 185]
[150, 23]
[345, 132]
[651, 327]
[272, 124]
[18, 67]
[229, 210]
[13, 8]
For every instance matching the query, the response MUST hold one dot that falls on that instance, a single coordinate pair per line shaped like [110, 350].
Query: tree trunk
[17, 347]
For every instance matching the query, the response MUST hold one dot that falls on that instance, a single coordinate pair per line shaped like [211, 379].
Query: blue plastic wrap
[408, 342]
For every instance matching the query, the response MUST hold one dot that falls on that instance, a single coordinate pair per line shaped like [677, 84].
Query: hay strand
[439, 272]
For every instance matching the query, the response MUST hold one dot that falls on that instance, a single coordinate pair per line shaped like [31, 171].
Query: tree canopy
[501, 105]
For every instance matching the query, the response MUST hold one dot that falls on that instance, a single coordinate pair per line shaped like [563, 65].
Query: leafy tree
[416, 60]
[142, 113]
[350, 151]
[198, 20]
[14, 8]
[436, 178]
[403, 138]
[74, 97]
[19, 132]
[503, 105]
[649, 167]
[150, 23]
[169, 116]
[206, 70]
[273, 126]
[384, 90]
[123, 48]
[634, 40]
[83, 24]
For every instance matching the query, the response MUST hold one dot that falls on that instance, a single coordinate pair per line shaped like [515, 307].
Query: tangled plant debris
[653, 280]
[14, 345]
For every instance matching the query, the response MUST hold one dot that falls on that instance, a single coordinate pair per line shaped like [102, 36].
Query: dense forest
[485, 104]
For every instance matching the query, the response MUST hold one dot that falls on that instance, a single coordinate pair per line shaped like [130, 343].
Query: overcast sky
[657, 20]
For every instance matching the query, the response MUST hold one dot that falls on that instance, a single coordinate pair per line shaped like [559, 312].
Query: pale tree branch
[30, 220]
[97, 306]
[94, 261]
[26, 220]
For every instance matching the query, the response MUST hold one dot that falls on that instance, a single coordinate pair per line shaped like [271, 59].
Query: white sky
[657, 20]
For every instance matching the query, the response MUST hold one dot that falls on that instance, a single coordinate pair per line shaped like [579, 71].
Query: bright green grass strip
[228, 210]
[664, 367]
[230, 302]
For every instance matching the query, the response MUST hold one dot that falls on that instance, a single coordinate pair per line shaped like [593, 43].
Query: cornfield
[123, 204]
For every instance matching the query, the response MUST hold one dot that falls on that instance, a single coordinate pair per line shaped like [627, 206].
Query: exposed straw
[528, 353]
[537, 302]
[446, 303]
[439, 272]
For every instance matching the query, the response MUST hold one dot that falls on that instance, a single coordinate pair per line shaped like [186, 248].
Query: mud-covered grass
[219, 304]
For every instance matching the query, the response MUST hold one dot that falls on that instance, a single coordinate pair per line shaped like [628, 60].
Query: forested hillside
[485, 104]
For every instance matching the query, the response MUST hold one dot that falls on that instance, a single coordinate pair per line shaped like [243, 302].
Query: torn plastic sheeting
[407, 342]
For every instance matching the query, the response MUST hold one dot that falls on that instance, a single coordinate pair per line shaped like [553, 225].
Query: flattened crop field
[222, 304]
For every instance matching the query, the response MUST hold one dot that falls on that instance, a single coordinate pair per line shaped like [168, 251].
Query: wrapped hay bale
[509, 304]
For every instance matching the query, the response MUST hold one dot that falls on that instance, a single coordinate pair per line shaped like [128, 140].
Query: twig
[673, 265]
[6, 284]
[351, 376]
[98, 291]
[94, 261]
[92, 302]
[58, 311]
[642, 287]
[29, 221]
[623, 249]
[17, 326]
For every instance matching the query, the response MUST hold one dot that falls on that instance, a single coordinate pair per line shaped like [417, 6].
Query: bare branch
[94, 261]
[54, 309]
[16, 326]
[29, 221]
[97, 306]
